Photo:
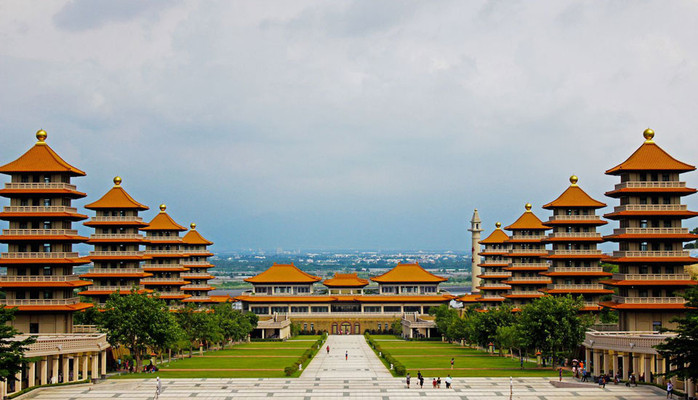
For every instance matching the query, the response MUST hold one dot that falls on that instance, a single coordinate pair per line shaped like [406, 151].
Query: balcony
[585, 286]
[40, 209]
[581, 270]
[626, 341]
[130, 218]
[652, 277]
[566, 252]
[40, 232]
[116, 236]
[197, 287]
[42, 302]
[525, 293]
[195, 263]
[516, 236]
[132, 253]
[650, 207]
[114, 288]
[176, 279]
[495, 286]
[531, 279]
[196, 275]
[651, 231]
[164, 252]
[648, 300]
[562, 217]
[497, 275]
[39, 278]
[650, 254]
[163, 238]
[574, 235]
[40, 186]
[650, 185]
[530, 265]
[162, 266]
[39, 255]
[116, 271]
[528, 251]
[199, 298]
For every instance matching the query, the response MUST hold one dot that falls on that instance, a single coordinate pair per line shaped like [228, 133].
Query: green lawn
[306, 337]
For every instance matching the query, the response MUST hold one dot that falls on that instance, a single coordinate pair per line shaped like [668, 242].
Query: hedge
[306, 356]
[398, 368]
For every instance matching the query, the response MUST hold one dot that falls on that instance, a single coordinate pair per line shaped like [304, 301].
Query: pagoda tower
[166, 248]
[575, 261]
[496, 258]
[526, 261]
[40, 257]
[117, 255]
[650, 257]
[197, 262]
[475, 231]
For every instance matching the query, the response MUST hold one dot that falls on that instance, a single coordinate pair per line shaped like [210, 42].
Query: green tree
[508, 337]
[200, 326]
[483, 325]
[693, 244]
[682, 349]
[396, 327]
[553, 325]
[235, 325]
[444, 318]
[11, 351]
[137, 322]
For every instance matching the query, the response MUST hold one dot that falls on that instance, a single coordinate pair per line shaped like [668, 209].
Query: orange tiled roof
[650, 157]
[287, 273]
[163, 222]
[408, 273]
[116, 197]
[497, 236]
[221, 299]
[194, 237]
[346, 280]
[574, 196]
[527, 220]
[40, 158]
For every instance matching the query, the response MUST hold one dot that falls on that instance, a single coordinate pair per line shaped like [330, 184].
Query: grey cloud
[82, 15]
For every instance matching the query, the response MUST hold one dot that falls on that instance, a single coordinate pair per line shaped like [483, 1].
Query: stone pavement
[330, 376]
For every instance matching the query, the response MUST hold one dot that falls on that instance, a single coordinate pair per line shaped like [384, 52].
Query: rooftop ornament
[117, 181]
[574, 180]
[649, 135]
[41, 136]
[163, 207]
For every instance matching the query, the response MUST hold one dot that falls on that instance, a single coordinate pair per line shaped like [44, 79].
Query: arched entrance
[334, 328]
[345, 328]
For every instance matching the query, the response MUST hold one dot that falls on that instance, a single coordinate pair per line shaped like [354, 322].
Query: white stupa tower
[475, 229]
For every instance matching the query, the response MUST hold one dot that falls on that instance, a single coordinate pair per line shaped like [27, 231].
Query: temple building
[575, 261]
[526, 259]
[197, 264]
[495, 258]
[285, 293]
[40, 282]
[117, 254]
[650, 256]
[166, 248]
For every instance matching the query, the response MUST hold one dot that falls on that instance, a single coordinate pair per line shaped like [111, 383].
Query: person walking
[560, 372]
[433, 384]
[407, 380]
[452, 361]
[438, 383]
[449, 380]
[158, 387]
[346, 355]
[669, 390]
[602, 381]
[328, 349]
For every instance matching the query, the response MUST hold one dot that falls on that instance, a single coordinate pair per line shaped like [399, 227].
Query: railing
[494, 286]
[40, 185]
[651, 254]
[202, 262]
[199, 298]
[118, 236]
[170, 293]
[196, 287]
[525, 292]
[651, 231]
[133, 253]
[652, 277]
[42, 302]
[650, 207]
[562, 217]
[39, 278]
[648, 300]
[566, 252]
[85, 329]
[573, 235]
[163, 266]
[626, 341]
[39, 232]
[530, 265]
[533, 279]
[129, 218]
[164, 251]
[344, 314]
[577, 269]
[586, 286]
[530, 237]
[116, 271]
[495, 274]
[528, 251]
[65, 343]
[40, 255]
[177, 280]
[40, 209]
[114, 288]
[195, 275]
[163, 238]
[650, 185]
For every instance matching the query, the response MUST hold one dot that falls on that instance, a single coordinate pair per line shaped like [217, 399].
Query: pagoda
[117, 255]
[575, 261]
[346, 284]
[526, 261]
[166, 248]
[650, 257]
[197, 264]
[40, 257]
[495, 258]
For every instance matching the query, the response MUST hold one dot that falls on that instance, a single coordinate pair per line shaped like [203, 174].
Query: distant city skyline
[348, 125]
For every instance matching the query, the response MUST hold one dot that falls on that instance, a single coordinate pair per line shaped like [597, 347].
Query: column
[85, 361]
[607, 361]
[614, 361]
[18, 382]
[103, 357]
[66, 368]
[637, 364]
[76, 367]
[660, 370]
[31, 374]
[95, 366]
[587, 356]
[43, 371]
[597, 362]
[626, 365]
[648, 368]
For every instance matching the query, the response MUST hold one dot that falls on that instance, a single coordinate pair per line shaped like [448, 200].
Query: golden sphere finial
[163, 208]
[498, 225]
[192, 225]
[649, 135]
[117, 180]
[528, 207]
[574, 180]
[41, 135]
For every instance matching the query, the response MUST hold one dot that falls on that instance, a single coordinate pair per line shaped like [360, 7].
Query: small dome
[528, 207]
[649, 135]
[192, 226]
[163, 208]
[41, 135]
[117, 180]
[574, 180]
[498, 225]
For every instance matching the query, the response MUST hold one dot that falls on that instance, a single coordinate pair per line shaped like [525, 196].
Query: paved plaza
[330, 376]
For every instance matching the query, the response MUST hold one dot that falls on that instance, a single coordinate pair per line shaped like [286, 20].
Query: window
[260, 310]
[33, 327]
[47, 202]
[303, 289]
[319, 309]
[372, 309]
[280, 310]
[411, 309]
[656, 326]
[665, 177]
[47, 271]
[312, 326]
[305, 327]
[391, 309]
[387, 289]
[299, 309]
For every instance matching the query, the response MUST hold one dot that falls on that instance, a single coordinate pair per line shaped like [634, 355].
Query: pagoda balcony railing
[495, 285]
[651, 254]
[171, 251]
[566, 252]
[492, 296]
[648, 300]
[117, 236]
[651, 231]
[562, 217]
[650, 185]
[116, 271]
[497, 274]
[85, 329]
[530, 265]
[199, 298]
[39, 232]
[532, 279]
[40, 185]
[652, 277]
[163, 238]
[114, 288]
[585, 286]
[171, 279]
[170, 293]
[39, 255]
[596, 268]
[200, 262]
[42, 302]
[196, 275]
[573, 235]
[591, 304]
[125, 253]
[529, 237]
[163, 266]
[525, 292]
[39, 209]
[650, 207]
[343, 314]
[195, 287]
[39, 278]
[528, 251]
[109, 218]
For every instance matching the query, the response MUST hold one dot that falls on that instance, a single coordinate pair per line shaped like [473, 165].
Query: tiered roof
[163, 222]
[40, 158]
[527, 221]
[345, 280]
[650, 157]
[408, 273]
[286, 273]
[574, 197]
[116, 198]
[195, 238]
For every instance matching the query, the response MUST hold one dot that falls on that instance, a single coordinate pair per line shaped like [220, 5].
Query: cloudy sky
[348, 124]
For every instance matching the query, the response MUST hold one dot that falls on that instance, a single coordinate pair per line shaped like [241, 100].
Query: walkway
[362, 362]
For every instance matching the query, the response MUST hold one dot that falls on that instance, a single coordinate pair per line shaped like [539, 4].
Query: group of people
[436, 382]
